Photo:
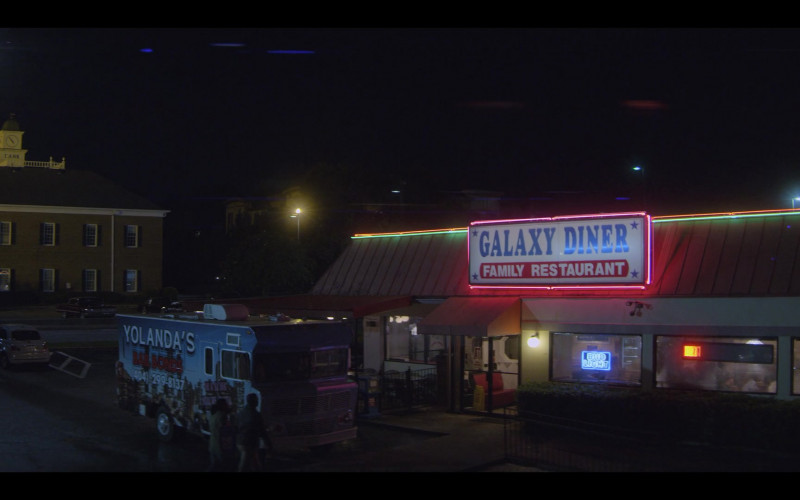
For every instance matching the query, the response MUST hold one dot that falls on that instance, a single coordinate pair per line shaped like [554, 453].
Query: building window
[235, 365]
[404, 344]
[90, 235]
[5, 279]
[131, 280]
[48, 234]
[608, 359]
[48, 280]
[131, 236]
[795, 366]
[5, 233]
[90, 280]
[733, 364]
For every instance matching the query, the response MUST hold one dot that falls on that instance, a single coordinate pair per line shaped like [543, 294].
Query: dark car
[86, 307]
[160, 305]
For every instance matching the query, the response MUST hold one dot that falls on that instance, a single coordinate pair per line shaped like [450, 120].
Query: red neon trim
[648, 257]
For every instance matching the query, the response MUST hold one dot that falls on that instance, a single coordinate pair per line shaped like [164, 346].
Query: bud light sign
[596, 360]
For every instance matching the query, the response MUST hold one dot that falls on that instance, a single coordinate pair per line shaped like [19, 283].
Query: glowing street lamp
[296, 215]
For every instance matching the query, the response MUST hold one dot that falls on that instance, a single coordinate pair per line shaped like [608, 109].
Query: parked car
[86, 307]
[161, 305]
[22, 344]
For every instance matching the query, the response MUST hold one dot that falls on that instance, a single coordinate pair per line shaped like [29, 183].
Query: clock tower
[11, 152]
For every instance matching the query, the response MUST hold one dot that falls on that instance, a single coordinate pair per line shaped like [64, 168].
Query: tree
[263, 262]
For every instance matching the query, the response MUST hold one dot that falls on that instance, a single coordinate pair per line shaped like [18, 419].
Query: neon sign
[692, 351]
[596, 360]
[611, 250]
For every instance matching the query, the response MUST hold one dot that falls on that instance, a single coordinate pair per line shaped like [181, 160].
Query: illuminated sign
[605, 250]
[596, 360]
[729, 352]
[692, 351]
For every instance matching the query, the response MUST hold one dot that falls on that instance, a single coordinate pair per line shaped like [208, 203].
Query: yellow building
[70, 230]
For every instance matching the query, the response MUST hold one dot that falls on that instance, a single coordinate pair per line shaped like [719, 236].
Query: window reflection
[716, 364]
[601, 358]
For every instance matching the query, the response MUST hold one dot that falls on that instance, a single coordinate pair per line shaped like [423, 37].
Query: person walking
[218, 419]
[250, 431]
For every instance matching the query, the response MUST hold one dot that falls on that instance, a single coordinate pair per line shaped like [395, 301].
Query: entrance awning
[474, 316]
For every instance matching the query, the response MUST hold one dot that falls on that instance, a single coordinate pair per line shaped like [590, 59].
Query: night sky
[710, 114]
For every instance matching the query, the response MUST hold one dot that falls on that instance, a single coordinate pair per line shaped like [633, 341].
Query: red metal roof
[719, 255]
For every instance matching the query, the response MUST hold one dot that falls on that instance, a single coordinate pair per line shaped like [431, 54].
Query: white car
[22, 344]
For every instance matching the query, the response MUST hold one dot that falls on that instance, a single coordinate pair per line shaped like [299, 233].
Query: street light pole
[297, 215]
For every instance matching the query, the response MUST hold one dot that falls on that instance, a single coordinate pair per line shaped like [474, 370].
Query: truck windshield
[295, 366]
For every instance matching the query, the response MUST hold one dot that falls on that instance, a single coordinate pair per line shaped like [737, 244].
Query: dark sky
[711, 114]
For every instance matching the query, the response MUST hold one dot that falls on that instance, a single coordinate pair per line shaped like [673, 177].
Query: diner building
[704, 302]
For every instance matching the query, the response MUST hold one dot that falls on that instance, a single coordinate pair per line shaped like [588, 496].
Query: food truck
[174, 367]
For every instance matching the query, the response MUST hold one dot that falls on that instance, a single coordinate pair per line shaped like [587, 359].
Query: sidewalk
[459, 443]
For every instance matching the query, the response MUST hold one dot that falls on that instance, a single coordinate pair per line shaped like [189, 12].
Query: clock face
[11, 140]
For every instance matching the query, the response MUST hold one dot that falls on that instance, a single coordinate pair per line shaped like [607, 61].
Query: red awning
[474, 316]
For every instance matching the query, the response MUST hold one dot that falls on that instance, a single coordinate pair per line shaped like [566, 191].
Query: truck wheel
[164, 425]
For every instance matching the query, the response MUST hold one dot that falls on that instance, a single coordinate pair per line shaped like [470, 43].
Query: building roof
[65, 188]
[716, 255]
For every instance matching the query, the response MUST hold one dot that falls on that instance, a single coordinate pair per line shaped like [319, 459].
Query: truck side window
[209, 361]
[236, 365]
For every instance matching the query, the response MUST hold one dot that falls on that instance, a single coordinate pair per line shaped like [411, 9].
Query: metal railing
[46, 164]
[408, 389]
[397, 390]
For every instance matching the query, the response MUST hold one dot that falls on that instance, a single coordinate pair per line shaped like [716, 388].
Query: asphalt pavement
[454, 442]
[459, 443]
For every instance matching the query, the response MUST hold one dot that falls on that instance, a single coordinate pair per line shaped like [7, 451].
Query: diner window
[403, 343]
[132, 236]
[47, 280]
[5, 232]
[733, 364]
[90, 280]
[90, 235]
[131, 280]
[235, 365]
[5, 279]
[795, 366]
[600, 358]
[47, 235]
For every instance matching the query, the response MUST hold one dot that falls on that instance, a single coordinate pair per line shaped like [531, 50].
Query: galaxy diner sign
[591, 250]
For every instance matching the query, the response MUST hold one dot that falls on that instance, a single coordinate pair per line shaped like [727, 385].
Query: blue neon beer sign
[596, 360]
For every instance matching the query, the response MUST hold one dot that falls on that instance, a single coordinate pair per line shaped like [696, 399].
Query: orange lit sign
[691, 351]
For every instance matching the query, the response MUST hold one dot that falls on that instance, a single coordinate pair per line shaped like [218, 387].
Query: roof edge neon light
[654, 219]
[410, 233]
[726, 215]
